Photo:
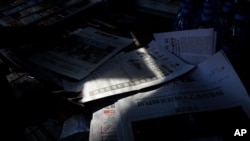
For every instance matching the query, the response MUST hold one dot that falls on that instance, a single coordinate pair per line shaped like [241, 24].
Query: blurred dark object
[13, 37]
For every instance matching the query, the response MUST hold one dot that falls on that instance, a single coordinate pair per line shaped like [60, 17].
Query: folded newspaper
[193, 46]
[197, 106]
[133, 71]
[87, 49]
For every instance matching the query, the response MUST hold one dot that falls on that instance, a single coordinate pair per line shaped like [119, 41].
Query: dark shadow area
[217, 125]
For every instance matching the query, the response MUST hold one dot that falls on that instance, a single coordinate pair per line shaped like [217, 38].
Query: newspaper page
[103, 126]
[212, 87]
[193, 46]
[75, 124]
[132, 71]
[88, 49]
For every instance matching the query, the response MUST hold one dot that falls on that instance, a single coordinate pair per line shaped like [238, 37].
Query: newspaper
[88, 49]
[103, 126]
[133, 71]
[75, 124]
[193, 46]
[159, 7]
[207, 88]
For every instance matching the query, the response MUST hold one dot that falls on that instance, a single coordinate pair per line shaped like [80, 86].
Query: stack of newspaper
[168, 56]
[207, 88]
[196, 83]
[196, 106]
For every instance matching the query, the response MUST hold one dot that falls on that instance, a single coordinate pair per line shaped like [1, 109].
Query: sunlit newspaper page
[103, 126]
[213, 85]
[131, 71]
[86, 50]
[193, 46]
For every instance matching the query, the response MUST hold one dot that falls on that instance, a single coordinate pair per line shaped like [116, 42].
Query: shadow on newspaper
[217, 125]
